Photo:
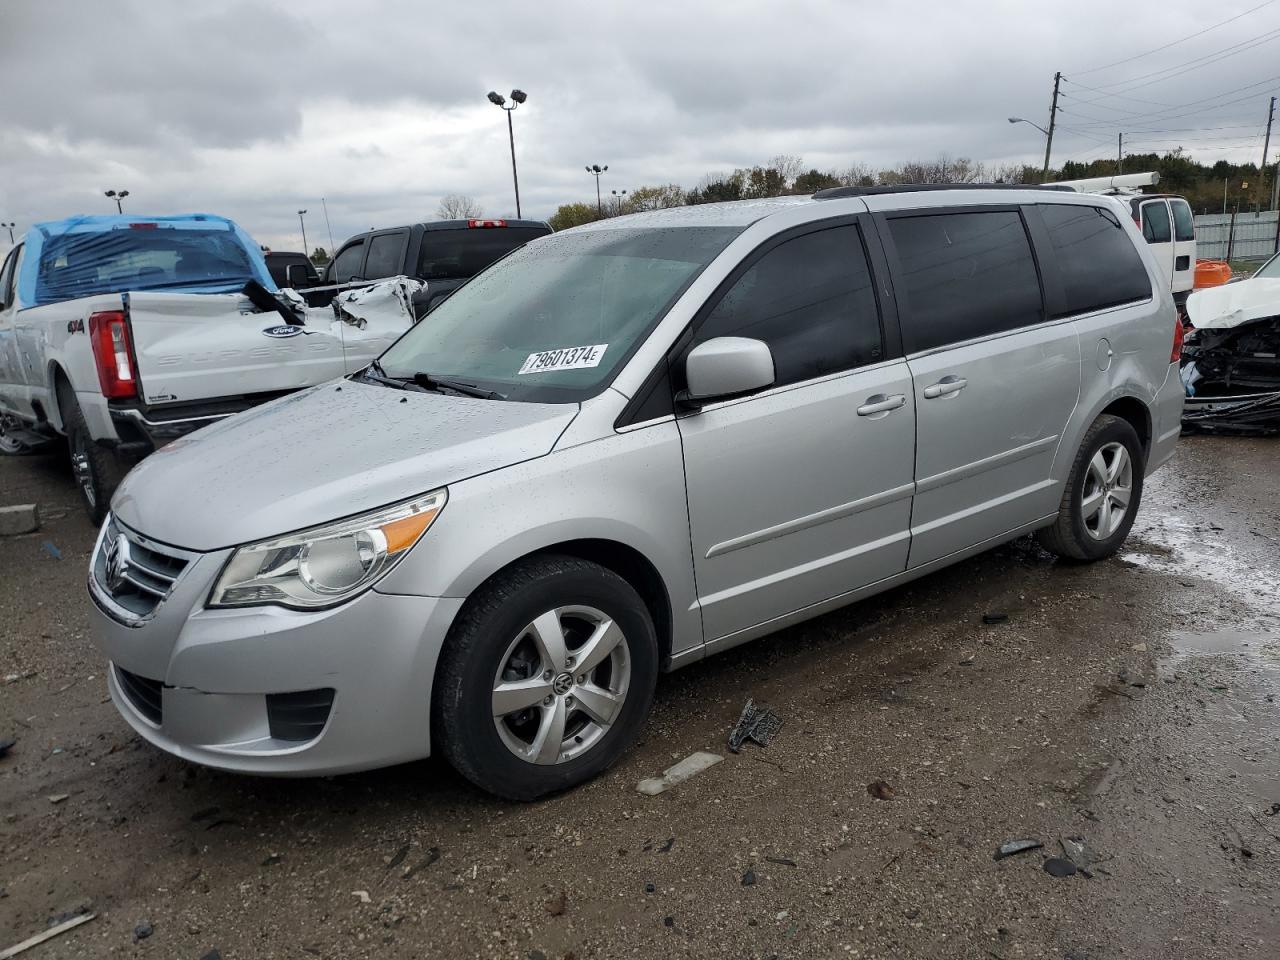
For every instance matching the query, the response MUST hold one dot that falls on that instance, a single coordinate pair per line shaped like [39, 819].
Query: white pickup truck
[123, 333]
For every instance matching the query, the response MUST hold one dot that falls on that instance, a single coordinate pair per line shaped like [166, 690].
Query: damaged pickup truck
[123, 333]
[1231, 356]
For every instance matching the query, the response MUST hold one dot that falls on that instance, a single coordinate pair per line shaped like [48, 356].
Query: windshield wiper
[429, 382]
[375, 373]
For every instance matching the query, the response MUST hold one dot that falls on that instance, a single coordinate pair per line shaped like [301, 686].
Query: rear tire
[97, 471]
[570, 647]
[1102, 496]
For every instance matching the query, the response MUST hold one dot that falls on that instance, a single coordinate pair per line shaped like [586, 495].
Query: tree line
[1202, 185]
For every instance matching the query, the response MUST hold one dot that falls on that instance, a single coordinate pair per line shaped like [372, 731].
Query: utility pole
[1119, 153]
[1266, 145]
[1053, 117]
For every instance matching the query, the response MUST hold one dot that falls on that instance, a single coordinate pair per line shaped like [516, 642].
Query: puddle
[1190, 643]
[1170, 544]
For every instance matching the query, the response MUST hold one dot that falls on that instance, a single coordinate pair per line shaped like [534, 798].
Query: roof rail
[834, 193]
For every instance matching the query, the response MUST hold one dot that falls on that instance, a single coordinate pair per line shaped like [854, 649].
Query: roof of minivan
[743, 213]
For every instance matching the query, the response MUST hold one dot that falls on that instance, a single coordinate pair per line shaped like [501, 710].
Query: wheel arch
[1138, 416]
[60, 389]
[627, 562]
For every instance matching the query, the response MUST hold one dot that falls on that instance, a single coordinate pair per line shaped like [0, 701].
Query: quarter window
[8, 278]
[811, 299]
[1155, 222]
[964, 275]
[1098, 263]
[348, 263]
[1184, 224]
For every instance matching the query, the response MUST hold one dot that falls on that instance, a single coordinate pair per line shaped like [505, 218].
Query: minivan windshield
[1270, 270]
[555, 320]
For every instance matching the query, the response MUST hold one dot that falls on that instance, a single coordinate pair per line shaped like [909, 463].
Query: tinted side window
[348, 263]
[964, 275]
[1184, 224]
[1097, 261]
[1155, 222]
[386, 256]
[811, 300]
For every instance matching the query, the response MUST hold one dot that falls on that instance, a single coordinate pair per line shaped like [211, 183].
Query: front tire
[1102, 496]
[96, 470]
[546, 678]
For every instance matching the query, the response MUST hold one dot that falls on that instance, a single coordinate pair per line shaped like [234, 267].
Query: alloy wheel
[1108, 488]
[561, 684]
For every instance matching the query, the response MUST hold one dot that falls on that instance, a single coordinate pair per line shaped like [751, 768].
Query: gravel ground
[1130, 704]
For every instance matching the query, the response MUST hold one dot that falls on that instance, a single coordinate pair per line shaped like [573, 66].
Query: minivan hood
[321, 454]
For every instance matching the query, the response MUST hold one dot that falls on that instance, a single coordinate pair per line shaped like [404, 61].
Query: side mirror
[297, 275]
[726, 366]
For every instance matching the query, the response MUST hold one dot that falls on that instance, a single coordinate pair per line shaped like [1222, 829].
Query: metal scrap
[759, 724]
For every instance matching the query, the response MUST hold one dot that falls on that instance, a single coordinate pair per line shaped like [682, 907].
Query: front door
[12, 382]
[994, 383]
[801, 492]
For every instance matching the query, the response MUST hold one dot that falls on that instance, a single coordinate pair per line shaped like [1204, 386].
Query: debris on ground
[557, 905]
[666, 847]
[693, 764]
[1059, 867]
[991, 618]
[212, 955]
[48, 547]
[432, 856]
[783, 861]
[272, 859]
[362, 896]
[650, 888]
[881, 790]
[397, 858]
[57, 797]
[1013, 847]
[39, 938]
[759, 724]
[6, 744]
[1079, 853]
[749, 878]
[142, 931]
[18, 519]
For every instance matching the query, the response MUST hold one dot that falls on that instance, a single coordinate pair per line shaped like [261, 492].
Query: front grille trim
[152, 573]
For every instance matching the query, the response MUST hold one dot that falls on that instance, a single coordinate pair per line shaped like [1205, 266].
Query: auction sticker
[566, 358]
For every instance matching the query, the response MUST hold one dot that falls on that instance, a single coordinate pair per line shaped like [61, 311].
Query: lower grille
[299, 716]
[144, 694]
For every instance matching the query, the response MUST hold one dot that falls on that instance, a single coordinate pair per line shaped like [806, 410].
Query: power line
[1198, 63]
[1159, 116]
[1174, 43]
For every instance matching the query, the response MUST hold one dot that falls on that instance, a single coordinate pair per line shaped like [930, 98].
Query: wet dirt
[1129, 704]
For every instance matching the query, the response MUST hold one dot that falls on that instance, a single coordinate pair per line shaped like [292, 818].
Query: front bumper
[212, 672]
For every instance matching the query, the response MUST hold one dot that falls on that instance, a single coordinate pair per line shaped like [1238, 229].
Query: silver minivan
[623, 448]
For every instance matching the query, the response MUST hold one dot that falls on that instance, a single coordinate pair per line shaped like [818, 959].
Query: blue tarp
[190, 253]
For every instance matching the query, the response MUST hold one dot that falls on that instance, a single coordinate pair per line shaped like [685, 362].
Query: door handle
[879, 403]
[945, 387]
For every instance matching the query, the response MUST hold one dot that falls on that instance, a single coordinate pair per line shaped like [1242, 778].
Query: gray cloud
[257, 110]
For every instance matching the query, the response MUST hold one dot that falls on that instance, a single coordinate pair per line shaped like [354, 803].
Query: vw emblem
[117, 563]
[562, 684]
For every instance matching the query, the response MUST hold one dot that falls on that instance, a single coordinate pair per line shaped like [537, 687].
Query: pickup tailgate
[204, 346]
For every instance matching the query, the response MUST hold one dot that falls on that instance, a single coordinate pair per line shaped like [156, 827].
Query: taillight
[1178, 333]
[109, 335]
[486, 223]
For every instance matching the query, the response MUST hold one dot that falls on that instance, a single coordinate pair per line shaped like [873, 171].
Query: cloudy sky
[256, 110]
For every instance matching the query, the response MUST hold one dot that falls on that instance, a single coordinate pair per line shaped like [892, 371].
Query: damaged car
[1231, 356]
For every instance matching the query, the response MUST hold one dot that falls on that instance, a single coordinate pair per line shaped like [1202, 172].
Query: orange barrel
[1212, 273]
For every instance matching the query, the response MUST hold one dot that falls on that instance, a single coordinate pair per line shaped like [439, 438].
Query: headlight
[325, 565]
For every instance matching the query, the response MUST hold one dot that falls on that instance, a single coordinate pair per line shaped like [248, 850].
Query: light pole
[1048, 138]
[498, 100]
[117, 197]
[302, 223]
[595, 170]
[9, 226]
[619, 198]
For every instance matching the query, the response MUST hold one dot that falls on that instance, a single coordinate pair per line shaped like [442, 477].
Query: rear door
[199, 347]
[1184, 246]
[800, 492]
[1157, 230]
[994, 382]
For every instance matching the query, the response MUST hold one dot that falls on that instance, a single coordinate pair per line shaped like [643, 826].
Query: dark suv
[444, 254]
